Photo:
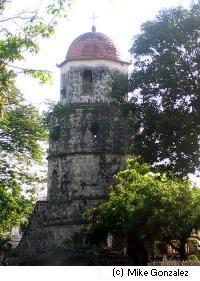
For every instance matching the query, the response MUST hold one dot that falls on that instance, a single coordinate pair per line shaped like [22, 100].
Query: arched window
[87, 82]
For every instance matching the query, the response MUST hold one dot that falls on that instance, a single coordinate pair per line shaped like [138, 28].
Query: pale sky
[119, 19]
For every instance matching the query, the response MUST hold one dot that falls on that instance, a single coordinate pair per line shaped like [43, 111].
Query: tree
[5, 249]
[143, 207]
[166, 90]
[21, 131]
[21, 34]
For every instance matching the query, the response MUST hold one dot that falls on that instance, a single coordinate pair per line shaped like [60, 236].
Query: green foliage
[165, 85]
[77, 242]
[21, 127]
[59, 110]
[59, 8]
[145, 206]
[5, 247]
[54, 134]
[13, 205]
[20, 35]
[21, 131]
[43, 75]
[119, 88]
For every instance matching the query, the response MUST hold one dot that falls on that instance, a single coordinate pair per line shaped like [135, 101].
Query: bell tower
[92, 137]
[88, 143]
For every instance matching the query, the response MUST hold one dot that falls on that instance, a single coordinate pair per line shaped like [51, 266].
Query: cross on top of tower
[93, 18]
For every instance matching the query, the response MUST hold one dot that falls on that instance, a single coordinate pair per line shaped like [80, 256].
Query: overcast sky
[119, 19]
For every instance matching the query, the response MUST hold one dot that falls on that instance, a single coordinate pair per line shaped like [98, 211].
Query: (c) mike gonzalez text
[137, 272]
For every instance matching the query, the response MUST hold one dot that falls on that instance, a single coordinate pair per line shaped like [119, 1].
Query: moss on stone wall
[119, 88]
[60, 110]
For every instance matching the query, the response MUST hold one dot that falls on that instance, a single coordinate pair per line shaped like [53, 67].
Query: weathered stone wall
[72, 83]
[88, 144]
[82, 176]
[91, 147]
[68, 257]
[115, 65]
[51, 224]
[86, 129]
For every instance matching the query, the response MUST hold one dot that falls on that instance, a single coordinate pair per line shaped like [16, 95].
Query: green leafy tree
[166, 90]
[21, 131]
[143, 207]
[5, 248]
[20, 35]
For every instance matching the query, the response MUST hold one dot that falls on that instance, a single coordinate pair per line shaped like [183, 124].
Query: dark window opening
[95, 129]
[87, 82]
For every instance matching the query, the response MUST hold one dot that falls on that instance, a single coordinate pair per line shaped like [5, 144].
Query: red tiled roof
[93, 45]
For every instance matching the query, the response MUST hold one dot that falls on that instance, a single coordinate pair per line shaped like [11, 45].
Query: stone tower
[87, 144]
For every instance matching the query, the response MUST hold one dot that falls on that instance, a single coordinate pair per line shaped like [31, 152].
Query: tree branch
[28, 69]
[15, 17]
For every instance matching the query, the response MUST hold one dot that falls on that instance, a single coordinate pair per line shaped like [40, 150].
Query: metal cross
[93, 18]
